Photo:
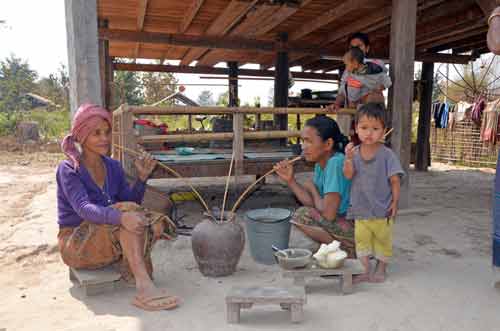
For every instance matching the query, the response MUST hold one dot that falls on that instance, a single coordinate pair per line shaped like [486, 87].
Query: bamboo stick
[179, 110]
[227, 186]
[255, 183]
[195, 137]
[175, 173]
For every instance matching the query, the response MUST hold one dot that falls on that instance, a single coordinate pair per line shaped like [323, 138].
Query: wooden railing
[124, 135]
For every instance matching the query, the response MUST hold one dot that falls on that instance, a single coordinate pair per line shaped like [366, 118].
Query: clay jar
[217, 246]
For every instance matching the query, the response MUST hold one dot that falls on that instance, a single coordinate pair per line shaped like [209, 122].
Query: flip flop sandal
[157, 302]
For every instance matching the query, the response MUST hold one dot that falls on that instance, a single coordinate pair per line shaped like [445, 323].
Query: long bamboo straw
[255, 183]
[386, 134]
[172, 171]
[227, 186]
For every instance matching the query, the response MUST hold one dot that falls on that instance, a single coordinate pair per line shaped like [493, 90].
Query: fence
[462, 145]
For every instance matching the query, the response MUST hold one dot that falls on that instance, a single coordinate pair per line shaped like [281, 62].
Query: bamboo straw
[385, 135]
[227, 186]
[175, 173]
[255, 183]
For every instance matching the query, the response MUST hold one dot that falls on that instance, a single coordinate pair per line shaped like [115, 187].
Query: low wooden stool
[244, 297]
[351, 267]
[96, 281]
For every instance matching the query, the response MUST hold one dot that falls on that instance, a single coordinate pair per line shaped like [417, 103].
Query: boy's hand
[393, 209]
[349, 151]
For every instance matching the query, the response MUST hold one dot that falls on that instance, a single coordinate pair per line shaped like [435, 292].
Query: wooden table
[351, 267]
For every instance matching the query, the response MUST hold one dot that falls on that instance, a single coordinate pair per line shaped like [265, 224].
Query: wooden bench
[351, 267]
[96, 281]
[291, 299]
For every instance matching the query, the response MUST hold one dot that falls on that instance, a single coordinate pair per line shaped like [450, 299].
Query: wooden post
[105, 68]
[233, 84]
[281, 86]
[110, 83]
[129, 139]
[83, 53]
[422, 160]
[238, 147]
[402, 53]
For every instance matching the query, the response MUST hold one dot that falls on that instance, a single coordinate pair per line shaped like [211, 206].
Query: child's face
[370, 130]
[350, 63]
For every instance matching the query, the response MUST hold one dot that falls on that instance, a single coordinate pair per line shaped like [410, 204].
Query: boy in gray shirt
[376, 174]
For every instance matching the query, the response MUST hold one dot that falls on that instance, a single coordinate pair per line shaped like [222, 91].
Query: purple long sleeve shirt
[80, 198]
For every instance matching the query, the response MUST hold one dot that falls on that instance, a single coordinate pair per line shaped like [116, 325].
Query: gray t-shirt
[371, 193]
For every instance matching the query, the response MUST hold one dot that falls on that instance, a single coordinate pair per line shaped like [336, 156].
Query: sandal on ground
[156, 302]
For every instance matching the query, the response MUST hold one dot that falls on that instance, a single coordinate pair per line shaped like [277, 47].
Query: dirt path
[440, 278]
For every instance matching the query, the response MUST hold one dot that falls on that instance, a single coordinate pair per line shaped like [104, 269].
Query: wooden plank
[207, 41]
[141, 16]
[255, 135]
[329, 16]
[190, 15]
[94, 277]
[424, 119]
[178, 110]
[351, 266]
[83, 53]
[279, 16]
[402, 49]
[467, 33]
[215, 71]
[221, 26]
[462, 33]
[258, 294]
[487, 6]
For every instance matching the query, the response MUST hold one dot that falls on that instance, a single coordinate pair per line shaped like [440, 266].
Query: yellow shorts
[374, 238]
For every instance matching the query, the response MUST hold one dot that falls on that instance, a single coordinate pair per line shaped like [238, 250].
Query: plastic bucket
[267, 227]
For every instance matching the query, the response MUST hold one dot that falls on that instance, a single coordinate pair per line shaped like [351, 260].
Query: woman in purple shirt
[100, 220]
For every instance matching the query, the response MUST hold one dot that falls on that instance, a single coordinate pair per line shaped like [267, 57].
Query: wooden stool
[244, 297]
[351, 267]
[96, 281]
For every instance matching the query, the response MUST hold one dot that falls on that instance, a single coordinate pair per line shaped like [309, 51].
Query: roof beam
[455, 35]
[326, 18]
[190, 15]
[281, 15]
[233, 13]
[141, 16]
[214, 71]
[227, 42]
[487, 6]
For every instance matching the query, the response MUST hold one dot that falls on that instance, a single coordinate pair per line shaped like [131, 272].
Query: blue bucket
[267, 227]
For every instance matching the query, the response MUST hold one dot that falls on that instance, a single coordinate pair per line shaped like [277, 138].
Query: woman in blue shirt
[325, 198]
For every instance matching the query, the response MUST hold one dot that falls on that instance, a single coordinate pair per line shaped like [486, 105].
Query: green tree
[55, 87]
[223, 99]
[206, 98]
[128, 88]
[16, 79]
[157, 86]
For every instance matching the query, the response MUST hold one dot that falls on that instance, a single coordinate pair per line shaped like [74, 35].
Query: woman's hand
[145, 166]
[332, 108]
[133, 222]
[285, 171]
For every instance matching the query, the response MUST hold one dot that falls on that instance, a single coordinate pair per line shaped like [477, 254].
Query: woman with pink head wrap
[100, 218]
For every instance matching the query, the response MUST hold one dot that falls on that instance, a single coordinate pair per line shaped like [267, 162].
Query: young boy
[376, 173]
[362, 77]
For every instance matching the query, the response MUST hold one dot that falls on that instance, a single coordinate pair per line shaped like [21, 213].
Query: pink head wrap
[84, 122]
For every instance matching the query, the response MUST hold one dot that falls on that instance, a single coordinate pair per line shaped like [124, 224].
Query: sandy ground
[440, 279]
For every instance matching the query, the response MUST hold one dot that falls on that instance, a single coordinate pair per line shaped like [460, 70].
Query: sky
[36, 32]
